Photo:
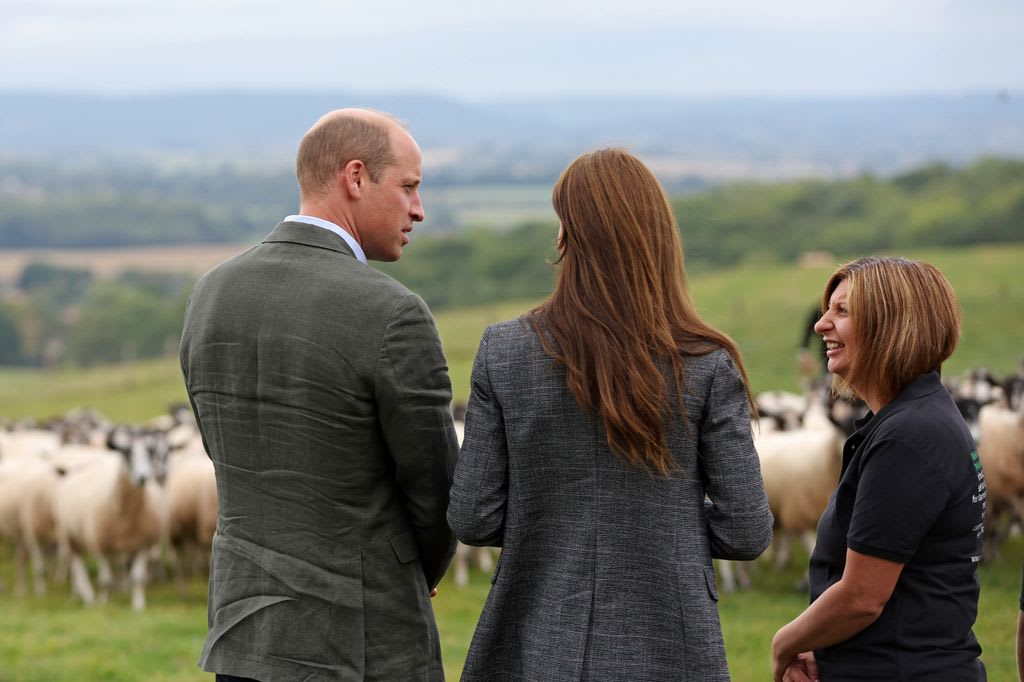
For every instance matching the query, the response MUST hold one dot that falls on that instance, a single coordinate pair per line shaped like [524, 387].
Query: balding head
[338, 138]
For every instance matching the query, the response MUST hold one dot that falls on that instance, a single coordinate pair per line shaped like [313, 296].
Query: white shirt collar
[337, 229]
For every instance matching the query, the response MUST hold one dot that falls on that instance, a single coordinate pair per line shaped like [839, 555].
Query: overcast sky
[488, 49]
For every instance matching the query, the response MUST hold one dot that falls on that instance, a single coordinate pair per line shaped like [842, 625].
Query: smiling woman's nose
[822, 324]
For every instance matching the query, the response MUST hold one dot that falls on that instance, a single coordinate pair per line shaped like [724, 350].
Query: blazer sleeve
[738, 517]
[479, 495]
[414, 396]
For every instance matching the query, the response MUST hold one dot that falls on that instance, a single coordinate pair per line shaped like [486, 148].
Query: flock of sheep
[125, 497]
[131, 497]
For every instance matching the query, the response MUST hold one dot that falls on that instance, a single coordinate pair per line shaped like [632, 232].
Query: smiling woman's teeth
[832, 345]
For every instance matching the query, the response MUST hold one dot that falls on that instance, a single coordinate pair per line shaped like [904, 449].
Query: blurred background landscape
[111, 205]
[142, 144]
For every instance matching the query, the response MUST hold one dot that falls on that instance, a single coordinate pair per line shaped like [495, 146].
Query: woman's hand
[789, 667]
[803, 669]
[843, 610]
[781, 660]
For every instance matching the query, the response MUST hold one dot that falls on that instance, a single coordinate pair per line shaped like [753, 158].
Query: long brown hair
[620, 314]
[906, 317]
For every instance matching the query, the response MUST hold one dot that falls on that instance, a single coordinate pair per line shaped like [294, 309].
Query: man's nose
[417, 209]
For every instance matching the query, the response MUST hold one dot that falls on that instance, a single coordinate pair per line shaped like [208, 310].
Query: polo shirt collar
[922, 386]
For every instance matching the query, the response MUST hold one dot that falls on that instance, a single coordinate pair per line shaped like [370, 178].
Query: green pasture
[763, 306]
[56, 639]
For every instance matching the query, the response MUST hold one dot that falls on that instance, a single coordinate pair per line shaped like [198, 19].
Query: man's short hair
[336, 140]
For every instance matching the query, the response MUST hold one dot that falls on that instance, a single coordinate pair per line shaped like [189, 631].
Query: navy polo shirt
[911, 490]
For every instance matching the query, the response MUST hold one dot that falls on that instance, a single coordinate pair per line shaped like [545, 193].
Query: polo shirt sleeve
[900, 494]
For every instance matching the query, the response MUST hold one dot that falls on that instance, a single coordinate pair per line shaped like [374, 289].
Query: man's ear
[353, 177]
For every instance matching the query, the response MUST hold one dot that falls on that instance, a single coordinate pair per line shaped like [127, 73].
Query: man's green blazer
[323, 399]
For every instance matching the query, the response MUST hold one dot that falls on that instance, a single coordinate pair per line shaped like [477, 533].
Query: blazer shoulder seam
[406, 295]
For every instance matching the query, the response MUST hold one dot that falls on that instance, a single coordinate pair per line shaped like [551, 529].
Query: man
[323, 398]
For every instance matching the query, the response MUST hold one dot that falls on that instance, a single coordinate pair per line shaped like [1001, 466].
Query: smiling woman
[893, 601]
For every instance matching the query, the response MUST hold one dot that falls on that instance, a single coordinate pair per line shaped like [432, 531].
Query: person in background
[893, 577]
[608, 452]
[812, 364]
[322, 396]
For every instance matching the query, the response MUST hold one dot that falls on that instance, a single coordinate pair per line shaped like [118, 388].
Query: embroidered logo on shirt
[980, 496]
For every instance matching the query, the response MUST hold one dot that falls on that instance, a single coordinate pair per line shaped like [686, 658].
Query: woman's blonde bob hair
[907, 320]
[620, 317]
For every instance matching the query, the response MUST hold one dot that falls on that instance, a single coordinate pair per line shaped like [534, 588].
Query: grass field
[56, 639]
[763, 306]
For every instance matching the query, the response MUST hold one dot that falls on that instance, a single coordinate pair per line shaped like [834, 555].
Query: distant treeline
[65, 316]
[103, 204]
[935, 205]
[57, 315]
[932, 206]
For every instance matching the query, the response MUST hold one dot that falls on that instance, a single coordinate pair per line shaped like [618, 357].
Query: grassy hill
[763, 306]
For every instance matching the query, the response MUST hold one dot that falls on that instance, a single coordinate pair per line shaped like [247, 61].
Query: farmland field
[195, 259]
[763, 306]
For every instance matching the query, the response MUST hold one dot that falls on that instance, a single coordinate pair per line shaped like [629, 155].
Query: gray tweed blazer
[605, 571]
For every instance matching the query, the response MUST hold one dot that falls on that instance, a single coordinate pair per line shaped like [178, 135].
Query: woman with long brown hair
[608, 453]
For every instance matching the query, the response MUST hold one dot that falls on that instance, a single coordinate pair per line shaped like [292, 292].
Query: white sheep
[31, 443]
[189, 516]
[782, 407]
[1001, 448]
[27, 486]
[107, 506]
[800, 469]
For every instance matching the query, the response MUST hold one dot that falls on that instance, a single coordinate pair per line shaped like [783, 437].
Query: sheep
[781, 407]
[800, 469]
[983, 386]
[105, 505]
[31, 443]
[463, 554]
[83, 426]
[189, 515]
[1001, 449]
[1013, 387]
[27, 485]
